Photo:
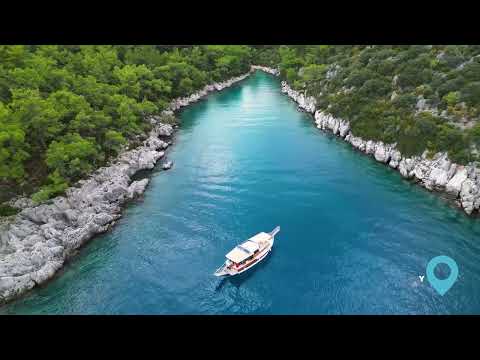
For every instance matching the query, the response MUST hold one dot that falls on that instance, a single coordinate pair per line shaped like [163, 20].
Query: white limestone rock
[354, 141]
[439, 172]
[370, 147]
[165, 130]
[362, 146]
[154, 143]
[21, 203]
[344, 128]
[14, 286]
[438, 178]
[307, 103]
[469, 195]
[137, 188]
[266, 69]
[421, 170]
[454, 185]
[357, 142]
[382, 152]
[406, 167]
[167, 165]
[396, 157]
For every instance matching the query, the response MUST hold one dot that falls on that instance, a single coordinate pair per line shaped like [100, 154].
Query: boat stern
[222, 271]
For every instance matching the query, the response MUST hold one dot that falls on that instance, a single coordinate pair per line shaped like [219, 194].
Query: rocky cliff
[38, 241]
[436, 173]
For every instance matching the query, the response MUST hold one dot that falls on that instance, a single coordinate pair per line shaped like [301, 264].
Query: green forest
[66, 110]
[421, 97]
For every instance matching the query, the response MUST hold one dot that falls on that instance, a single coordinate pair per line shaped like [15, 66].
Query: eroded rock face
[137, 188]
[327, 122]
[370, 147]
[357, 142]
[396, 157]
[469, 195]
[164, 130]
[454, 186]
[343, 128]
[307, 103]
[436, 172]
[383, 152]
[406, 167]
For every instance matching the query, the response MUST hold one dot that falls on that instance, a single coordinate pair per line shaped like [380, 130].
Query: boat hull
[253, 263]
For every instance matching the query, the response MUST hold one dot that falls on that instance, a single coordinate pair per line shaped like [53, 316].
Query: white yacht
[247, 254]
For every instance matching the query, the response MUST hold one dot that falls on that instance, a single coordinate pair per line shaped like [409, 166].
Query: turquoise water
[355, 235]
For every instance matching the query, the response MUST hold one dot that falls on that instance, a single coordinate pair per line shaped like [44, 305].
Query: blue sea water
[354, 236]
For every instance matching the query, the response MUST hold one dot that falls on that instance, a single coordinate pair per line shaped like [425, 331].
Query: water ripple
[355, 235]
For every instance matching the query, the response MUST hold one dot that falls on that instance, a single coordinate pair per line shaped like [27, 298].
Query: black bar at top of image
[228, 23]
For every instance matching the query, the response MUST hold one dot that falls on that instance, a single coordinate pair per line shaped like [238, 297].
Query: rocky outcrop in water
[167, 165]
[436, 173]
[36, 242]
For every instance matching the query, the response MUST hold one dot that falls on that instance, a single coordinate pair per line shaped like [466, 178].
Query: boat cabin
[244, 252]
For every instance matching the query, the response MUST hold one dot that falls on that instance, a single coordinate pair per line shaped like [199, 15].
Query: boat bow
[274, 231]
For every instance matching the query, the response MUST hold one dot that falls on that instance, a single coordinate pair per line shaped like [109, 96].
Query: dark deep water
[355, 235]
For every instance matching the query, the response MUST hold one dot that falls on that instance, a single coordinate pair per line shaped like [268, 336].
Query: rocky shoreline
[37, 242]
[181, 102]
[459, 183]
[266, 69]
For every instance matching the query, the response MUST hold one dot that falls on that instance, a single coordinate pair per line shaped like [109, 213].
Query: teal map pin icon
[442, 285]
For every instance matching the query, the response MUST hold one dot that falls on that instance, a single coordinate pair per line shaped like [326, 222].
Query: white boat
[247, 254]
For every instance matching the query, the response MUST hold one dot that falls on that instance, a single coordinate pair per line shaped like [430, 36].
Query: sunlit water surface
[354, 238]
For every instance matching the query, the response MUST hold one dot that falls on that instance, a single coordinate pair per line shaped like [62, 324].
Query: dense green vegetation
[377, 88]
[6, 210]
[65, 110]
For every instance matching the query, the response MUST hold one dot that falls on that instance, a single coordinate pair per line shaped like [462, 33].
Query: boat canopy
[260, 237]
[243, 251]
